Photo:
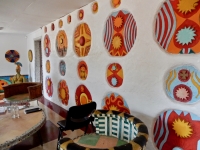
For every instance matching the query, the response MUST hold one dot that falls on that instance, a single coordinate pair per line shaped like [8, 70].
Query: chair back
[82, 111]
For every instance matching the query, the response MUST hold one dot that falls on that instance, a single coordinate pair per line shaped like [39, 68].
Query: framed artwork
[12, 56]
[82, 70]
[61, 43]
[63, 92]
[82, 95]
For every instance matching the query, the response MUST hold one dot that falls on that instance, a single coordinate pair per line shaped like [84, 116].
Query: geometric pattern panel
[177, 28]
[116, 102]
[63, 92]
[115, 75]
[82, 95]
[120, 33]
[47, 46]
[82, 40]
[183, 84]
[177, 130]
[61, 43]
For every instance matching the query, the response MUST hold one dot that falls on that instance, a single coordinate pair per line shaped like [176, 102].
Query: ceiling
[25, 16]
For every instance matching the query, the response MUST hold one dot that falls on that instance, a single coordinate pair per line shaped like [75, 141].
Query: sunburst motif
[112, 107]
[118, 22]
[117, 42]
[185, 6]
[185, 35]
[182, 93]
[182, 128]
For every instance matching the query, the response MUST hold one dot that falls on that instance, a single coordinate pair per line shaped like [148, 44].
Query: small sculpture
[18, 78]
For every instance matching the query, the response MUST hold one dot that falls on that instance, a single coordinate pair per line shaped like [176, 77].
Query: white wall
[13, 42]
[31, 38]
[144, 66]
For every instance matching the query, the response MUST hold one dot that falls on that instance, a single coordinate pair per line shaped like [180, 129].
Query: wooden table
[13, 131]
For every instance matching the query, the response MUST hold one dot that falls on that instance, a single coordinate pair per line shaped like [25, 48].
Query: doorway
[38, 62]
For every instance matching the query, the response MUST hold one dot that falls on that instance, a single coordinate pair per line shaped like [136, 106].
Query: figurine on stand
[18, 78]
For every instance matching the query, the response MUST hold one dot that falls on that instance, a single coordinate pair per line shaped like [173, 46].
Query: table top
[13, 131]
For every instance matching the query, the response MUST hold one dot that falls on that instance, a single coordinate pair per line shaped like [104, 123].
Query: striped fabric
[116, 126]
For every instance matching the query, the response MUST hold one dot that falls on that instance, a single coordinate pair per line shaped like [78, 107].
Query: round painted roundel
[61, 43]
[177, 28]
[177, 130]
[63, 92]
[62, 67]
[183, 84]
[49, 86]
[12, 56]
[82, 40]
[82, 95]
[47, 45]
[120, 33]
[48, 66]
[82, 70]
[115, 75]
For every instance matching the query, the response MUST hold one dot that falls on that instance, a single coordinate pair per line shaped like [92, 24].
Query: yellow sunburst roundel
[117, 42]
[118, 22]
[182, 128]
[185, 6]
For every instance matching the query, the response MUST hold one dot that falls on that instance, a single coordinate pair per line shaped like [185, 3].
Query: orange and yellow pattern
[61, 43]
[63, 92]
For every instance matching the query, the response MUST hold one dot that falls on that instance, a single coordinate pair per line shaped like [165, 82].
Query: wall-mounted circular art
[115, 3]
[69, 19]
[45, 29]
[82, 40]
[95, 7]
[62, 67]
[80, 14]
[48, 66]
[47, 45]
[177, 130]
[61, 43]
[60, 23]
[177, 28]
[115, 75]
[116, 102]
[82, 95]
[63, 92]
[12, 56]
[120, 33]
[30, 55]
[183, 84]
[82, 70]
[49, 86]
[52, 27]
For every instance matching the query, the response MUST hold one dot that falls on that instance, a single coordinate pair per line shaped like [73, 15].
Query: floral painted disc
[48, 66]
[177, 28]
[61, 43]
[47, 45]
[82, 95]
[116, 102]
[12, 56]
[177, 130]
[81, 14]
[49, 86]
[95, 7]
[82, 40]
[63, 92]
[120, 33]
[82, 70]
[183, 84]
[115, 75]
[62, 67]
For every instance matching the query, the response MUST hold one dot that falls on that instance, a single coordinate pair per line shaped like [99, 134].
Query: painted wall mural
[82, 40]
[177, 130]
[120, 33]
[63, 92]
[82, 70]
[95, 7]
[80, 14]
[62, 67]
[114, 101]
[82, 95]
[48, 66]
[49, 86]
[12, 56]
[47, 45]
[177, 27]
[183, 84]
[115, 3]
[61, 43]
[115, 75]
